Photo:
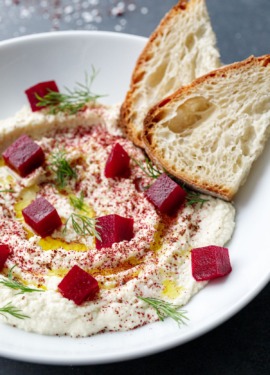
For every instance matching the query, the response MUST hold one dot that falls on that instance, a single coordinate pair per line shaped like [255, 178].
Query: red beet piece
[210, 262]
[117, 164]
[42, 217]
[166, 195]
[4, 253]
[40, 89]
[113, 228]
[24, 155]
[78, 286]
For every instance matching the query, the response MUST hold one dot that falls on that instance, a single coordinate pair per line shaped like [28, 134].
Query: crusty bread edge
[149, 124]
[129, 128]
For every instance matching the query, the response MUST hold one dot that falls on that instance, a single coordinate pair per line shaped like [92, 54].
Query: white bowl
[65, 57]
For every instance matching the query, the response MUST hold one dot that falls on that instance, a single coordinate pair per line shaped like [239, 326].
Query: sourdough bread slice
[181, 49]
[209, 133]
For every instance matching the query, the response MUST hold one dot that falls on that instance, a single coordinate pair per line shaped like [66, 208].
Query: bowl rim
[70, 33]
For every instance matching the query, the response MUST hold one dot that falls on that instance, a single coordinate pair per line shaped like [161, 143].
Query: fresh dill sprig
[166, 309]
[13, 284]
[83, 225]
[7, 191]
[78, 202]
[61, 167]
[193, 198]
[12, 310]
[74, 100]
[150, 169]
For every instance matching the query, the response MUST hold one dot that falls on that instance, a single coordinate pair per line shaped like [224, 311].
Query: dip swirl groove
[155, 263]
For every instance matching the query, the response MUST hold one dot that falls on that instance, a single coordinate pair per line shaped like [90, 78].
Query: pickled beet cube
[42, 217]
[78, 286]
[4, 253]
[210, 262]
[24, 155]
[165, 194]
[113, 228]
[117, 164]
[40, 89]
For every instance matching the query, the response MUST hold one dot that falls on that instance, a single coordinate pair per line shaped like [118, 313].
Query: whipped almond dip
[154, 263]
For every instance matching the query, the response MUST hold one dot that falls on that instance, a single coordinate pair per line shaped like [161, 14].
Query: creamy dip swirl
[155, 263]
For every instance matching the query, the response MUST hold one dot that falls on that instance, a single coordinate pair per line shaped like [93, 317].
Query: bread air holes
[190, 114]
[168, 87]
[247, 140]
[156, 77]
[237, 164]
[261, 106]
[160, 117]
[201, 31]
[190, 41]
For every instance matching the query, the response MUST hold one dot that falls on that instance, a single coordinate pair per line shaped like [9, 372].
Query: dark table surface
[242, 344]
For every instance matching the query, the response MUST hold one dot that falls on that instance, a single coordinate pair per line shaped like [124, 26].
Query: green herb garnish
[61, 167]
[74, 100]
[7, 191]
[193, 198]
[166, 309]
[13, 284]
[12, 310]
[78, 202]
[83, 225]
[150, 169]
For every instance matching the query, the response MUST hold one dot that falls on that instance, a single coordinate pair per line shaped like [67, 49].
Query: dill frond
[12, 310]
[83, 225]
[72, 101]
[13, 284]
[62, 169]
[166, 309]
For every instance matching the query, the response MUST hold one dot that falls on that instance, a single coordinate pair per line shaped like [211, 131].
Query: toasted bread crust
[152, 119]
[125, 120]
